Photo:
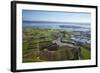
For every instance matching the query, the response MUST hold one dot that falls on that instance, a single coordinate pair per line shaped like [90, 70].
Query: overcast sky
[32, 15]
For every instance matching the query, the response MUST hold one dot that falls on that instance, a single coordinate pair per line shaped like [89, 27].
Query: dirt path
[58, 41]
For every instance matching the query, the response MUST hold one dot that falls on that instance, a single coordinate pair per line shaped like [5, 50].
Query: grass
[67, 37]
[85, 53]
[38, 60]
[30, 52]
[33, 60]
[63, 53]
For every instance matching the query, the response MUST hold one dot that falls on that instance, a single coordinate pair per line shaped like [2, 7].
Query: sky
[53, 16]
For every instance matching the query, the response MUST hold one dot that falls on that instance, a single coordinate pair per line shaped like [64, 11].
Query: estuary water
[57, 25]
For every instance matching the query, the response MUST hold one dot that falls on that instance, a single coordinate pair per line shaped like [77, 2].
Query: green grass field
[34, 39]
[86, 54]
